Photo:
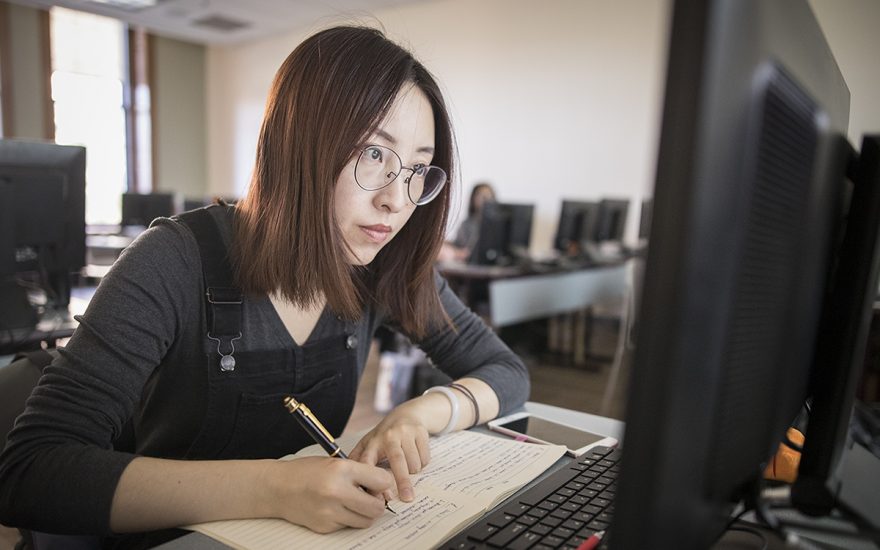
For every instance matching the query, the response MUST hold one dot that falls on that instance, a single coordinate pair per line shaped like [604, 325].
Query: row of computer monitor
[505, 229]
[140, 209]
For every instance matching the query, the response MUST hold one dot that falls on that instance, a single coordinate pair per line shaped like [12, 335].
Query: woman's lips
[376, 233]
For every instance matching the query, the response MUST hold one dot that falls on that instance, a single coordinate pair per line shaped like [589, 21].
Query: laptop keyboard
[561, 511]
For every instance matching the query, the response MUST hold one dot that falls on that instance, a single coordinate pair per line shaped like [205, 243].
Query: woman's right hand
[326, 494]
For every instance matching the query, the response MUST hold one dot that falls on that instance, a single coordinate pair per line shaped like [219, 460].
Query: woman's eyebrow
[390, 139]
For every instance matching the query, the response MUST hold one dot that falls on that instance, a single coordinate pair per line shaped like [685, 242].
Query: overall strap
[223, 298]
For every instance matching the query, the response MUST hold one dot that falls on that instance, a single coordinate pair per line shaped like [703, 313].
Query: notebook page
[423, 523]
[484, 467]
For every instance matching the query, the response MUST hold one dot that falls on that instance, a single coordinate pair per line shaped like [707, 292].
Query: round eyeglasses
[378, 166]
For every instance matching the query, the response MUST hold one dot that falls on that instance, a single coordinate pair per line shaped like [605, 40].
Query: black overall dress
[244, 416]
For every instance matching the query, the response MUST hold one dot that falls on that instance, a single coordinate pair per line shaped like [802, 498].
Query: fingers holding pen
[326, 494]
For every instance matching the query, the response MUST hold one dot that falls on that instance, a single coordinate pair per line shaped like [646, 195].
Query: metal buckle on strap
[224, 296]
[227, 361]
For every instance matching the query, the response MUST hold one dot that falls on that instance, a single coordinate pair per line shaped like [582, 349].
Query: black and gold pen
[317, 431]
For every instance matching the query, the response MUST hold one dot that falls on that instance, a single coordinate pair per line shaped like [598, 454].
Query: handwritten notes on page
[469, 473]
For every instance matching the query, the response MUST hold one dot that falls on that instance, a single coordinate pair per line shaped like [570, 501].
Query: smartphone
[529, 427]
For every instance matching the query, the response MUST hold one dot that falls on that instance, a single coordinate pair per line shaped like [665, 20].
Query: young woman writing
[166, 407]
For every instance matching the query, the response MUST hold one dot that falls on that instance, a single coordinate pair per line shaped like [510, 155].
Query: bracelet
[453, 402]
[470, 395]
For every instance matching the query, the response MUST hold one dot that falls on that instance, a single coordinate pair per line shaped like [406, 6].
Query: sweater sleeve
[58, 471]
[470, 348]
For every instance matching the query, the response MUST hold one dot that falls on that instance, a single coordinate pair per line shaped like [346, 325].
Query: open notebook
[469, 473]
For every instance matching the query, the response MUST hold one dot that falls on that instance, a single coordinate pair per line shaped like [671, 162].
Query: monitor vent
[776, 185]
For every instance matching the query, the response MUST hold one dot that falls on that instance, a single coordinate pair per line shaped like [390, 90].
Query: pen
[317, 431]
[592, 542]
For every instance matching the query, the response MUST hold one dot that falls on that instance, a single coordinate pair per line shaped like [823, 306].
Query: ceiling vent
[128, 5]
[220, 23]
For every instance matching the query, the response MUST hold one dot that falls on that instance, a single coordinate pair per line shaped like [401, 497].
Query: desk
[53, 325]
[565, 295]
[730, 541]
[610, 426]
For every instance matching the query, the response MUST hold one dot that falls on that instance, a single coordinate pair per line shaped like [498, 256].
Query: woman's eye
[374, 153]
[419, 169]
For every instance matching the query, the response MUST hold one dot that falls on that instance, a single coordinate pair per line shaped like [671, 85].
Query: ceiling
[222, 21]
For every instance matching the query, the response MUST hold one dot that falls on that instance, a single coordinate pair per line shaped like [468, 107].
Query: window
[89, 85]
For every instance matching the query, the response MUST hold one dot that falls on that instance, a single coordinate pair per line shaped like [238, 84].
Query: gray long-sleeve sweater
[138, 356]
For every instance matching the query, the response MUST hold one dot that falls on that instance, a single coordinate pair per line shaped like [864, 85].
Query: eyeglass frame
[412, 169]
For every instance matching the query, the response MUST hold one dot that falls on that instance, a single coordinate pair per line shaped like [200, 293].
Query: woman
[336, 236]
[469, 231]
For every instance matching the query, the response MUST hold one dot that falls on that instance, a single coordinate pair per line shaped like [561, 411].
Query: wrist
[452, 404]
[431, 410]
[273, 478]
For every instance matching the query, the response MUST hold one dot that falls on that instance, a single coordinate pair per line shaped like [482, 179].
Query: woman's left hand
[401, 438]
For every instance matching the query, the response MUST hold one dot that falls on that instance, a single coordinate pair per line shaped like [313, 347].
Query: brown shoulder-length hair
[328, 96]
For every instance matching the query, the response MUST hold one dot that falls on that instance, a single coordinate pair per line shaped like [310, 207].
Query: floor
[578, 388]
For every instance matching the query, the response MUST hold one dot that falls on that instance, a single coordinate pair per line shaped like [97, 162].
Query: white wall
[179, 126]
[549, 100]
[852, 28]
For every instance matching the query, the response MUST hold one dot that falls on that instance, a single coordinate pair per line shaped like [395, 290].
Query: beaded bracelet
[470, 395]
[453, 402]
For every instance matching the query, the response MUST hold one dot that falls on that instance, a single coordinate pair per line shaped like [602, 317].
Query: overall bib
[245, 416]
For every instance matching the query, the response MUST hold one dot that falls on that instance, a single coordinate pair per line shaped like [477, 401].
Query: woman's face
[482, 196]
[370, 219]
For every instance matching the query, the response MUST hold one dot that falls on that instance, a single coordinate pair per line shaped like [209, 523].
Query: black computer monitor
[612, 220]
[577, 224]
[747, 216]
[505, 234]
[141, 209]
[42, 214]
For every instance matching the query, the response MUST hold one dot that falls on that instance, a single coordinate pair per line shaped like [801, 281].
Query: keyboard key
[573, 524]
[560, 513]
[525, 540]
[579, 499]
[563, 532]
[538, 512]
[600, 502]
[553, 541]
[583, 517]
[605, 479]
[549, 506]
[548, 486]
[597, 525]
[481, 531]
[462, 545]
[502, 538]
[551, 521]
[589, 493]
[557, 498]
[571, 506]
[565, 492]
[575, 486]
[591, 509]
[500, 520]
[541, 529]
[516, 509]
[586, 533]
[526, 519]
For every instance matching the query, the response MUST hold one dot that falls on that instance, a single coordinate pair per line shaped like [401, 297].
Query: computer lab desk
[731, 540]
[566, 297]
[608, 426]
